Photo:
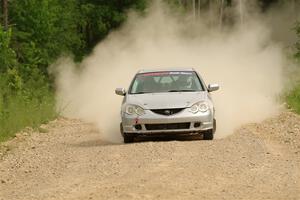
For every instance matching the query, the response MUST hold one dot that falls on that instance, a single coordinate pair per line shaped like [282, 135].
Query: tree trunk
[5, 14]
[199, 8]
[221, 13]
[180, 2]
[194, 8]
[241, 8]
[295, 7]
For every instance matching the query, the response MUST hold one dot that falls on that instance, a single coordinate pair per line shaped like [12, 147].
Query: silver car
[164, 102]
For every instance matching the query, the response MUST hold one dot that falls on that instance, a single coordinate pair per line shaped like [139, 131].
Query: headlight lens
[200, 106]
[194, 108]
[134, 109]
[139, 110]
[130, 110]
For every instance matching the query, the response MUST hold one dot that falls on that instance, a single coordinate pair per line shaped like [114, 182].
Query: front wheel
[215, 126]
[128, 138]
[208, 135]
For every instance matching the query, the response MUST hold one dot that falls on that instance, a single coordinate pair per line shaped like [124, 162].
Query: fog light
[197, 124]
[138, 127]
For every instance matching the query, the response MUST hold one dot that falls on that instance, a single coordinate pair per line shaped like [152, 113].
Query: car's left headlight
[201, 106]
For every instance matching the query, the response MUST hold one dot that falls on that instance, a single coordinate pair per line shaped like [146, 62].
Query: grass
[20, 111]
[293, 99]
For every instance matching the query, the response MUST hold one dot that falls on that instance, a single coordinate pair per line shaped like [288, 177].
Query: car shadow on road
[97, 142]
[94, 142]
[168, 138]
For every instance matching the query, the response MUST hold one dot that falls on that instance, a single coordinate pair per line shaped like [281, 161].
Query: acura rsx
[167, 102]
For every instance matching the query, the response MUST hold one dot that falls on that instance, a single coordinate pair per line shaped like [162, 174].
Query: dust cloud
[242, 59]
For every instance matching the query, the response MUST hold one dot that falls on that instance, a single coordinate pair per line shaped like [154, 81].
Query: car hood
[166, 100]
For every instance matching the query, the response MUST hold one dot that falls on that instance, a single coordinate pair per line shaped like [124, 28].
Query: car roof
[165, 70]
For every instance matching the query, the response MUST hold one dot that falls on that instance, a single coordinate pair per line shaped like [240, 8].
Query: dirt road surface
[259, 161]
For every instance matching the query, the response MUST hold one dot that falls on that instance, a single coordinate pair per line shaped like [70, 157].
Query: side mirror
[120, 91]
[213, 87]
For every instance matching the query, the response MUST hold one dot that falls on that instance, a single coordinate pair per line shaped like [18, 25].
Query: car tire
[121, 129]
[208, 135]
[128, 138]
[215, 126]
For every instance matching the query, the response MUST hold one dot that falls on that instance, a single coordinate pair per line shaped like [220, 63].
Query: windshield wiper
[182, 91]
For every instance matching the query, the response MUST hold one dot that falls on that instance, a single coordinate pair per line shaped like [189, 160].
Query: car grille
[167, 126]
[171, 111]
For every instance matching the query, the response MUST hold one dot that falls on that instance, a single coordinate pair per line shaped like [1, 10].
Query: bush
[24, 107]
[7, 54]
[293, 99]
[25, 98]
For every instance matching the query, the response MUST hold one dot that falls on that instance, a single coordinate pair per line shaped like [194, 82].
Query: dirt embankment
[260, 161]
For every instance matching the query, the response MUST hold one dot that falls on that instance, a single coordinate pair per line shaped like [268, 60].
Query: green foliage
[7, 54]
[13, 80]
[43, 30]
[21, 109]
[100, 17]
[23, 102]
[293, 99]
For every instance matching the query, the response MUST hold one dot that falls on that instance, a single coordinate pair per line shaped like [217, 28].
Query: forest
[35, 33]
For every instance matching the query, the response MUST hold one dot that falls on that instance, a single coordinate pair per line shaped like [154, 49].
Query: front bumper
[140, 124]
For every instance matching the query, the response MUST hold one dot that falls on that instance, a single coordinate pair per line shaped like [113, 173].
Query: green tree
[100, 17]
[44, 29]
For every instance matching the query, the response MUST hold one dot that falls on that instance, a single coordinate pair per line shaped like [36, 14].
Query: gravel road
[259, 161]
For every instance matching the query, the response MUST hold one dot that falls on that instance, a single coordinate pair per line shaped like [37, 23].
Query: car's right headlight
[134, 109]
[201, 106]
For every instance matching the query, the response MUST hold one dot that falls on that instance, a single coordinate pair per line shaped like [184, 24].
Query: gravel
[69, 161]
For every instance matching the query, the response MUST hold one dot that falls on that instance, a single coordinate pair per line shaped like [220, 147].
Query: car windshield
[176, 81]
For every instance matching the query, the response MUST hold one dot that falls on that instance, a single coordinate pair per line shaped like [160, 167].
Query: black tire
[121, 129]
[128, 138]
[208, 135]
[215, 126]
